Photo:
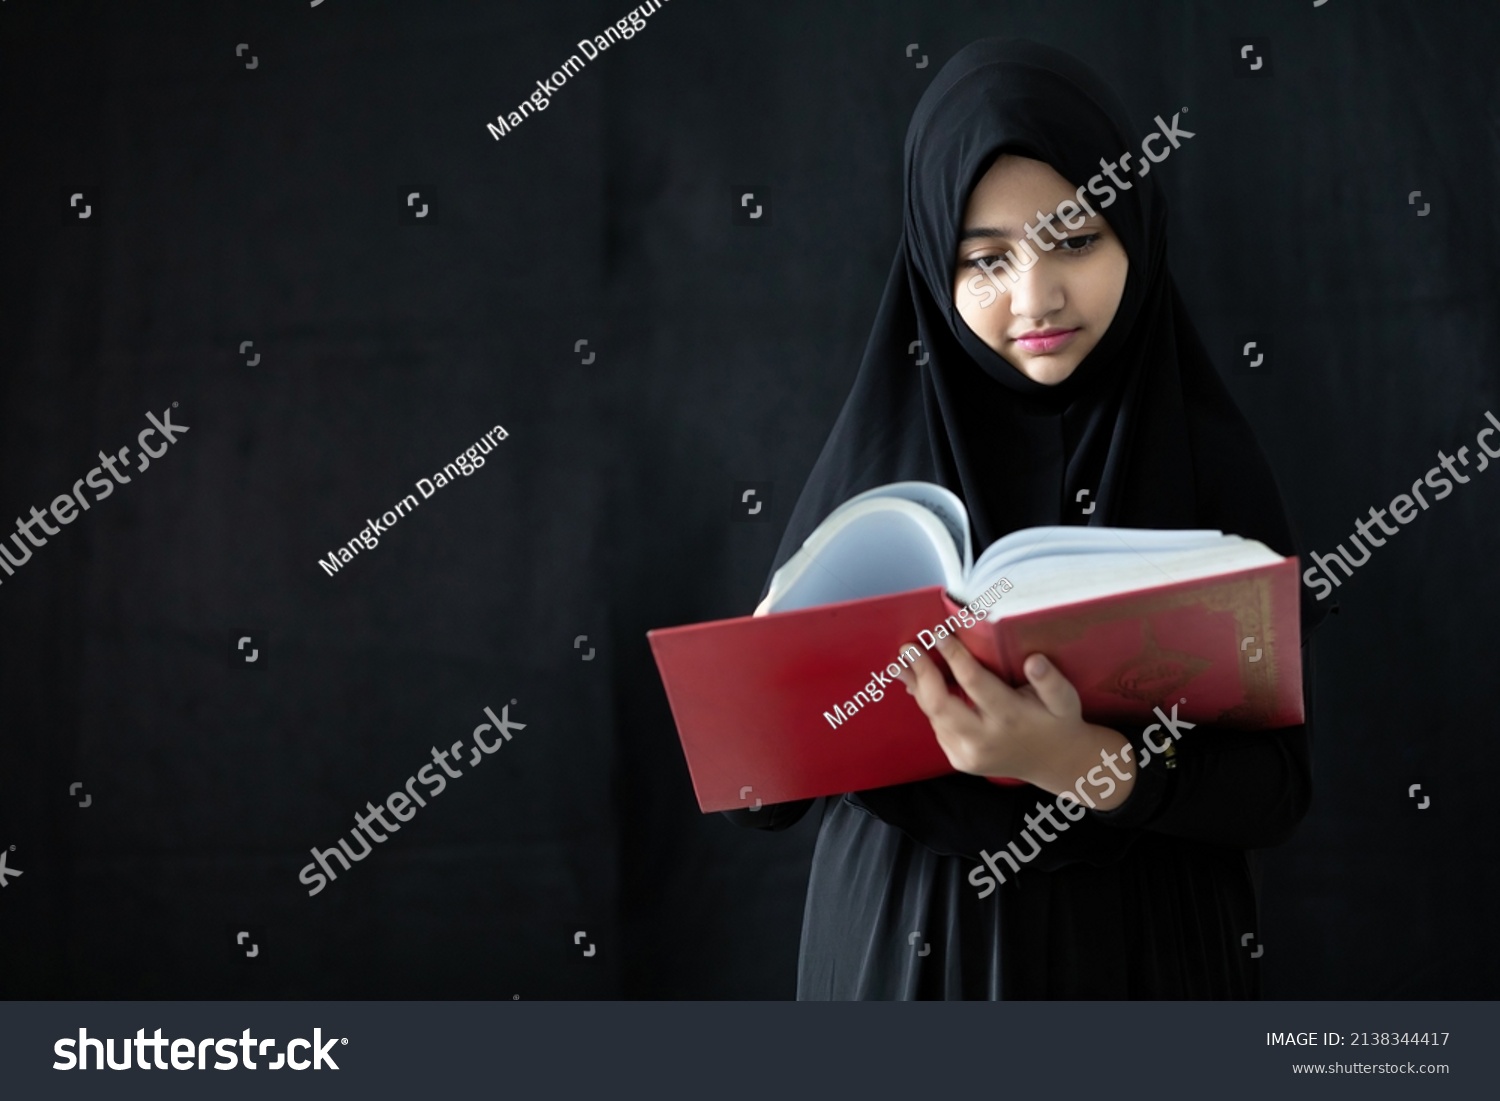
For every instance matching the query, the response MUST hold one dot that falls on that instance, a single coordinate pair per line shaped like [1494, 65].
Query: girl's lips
[1041, 345]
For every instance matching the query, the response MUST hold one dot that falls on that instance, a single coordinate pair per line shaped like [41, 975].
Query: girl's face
[1047, 318]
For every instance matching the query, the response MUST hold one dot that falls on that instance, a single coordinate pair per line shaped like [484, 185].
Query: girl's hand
[1035, 733]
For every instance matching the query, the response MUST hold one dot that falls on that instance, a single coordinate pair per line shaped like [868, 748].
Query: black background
[264, 204]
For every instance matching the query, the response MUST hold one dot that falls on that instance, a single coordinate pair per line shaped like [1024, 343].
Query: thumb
[1054, 690]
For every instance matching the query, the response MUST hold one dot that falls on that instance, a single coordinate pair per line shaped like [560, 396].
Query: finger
[988, 691]
[924, 680]
[1054, 690]
[910, 654]
[957, 725]
[913, 662]
[931, 691]
[961, 738]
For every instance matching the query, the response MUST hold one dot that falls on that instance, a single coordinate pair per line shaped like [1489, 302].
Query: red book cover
[763, 703]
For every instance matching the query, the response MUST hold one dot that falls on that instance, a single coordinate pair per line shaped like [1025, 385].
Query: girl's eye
[1073, 246]
[1083, 243]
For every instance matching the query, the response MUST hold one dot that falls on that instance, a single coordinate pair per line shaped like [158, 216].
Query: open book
[799, 703]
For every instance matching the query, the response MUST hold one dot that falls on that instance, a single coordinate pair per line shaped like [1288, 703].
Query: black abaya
[1156, 898]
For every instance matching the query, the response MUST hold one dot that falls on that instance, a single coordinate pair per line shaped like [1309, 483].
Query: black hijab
[1144, 424]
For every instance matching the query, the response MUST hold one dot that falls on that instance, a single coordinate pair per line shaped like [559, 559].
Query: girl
[1058, 381]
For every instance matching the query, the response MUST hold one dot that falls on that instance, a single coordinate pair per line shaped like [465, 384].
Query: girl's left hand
[1025, 733]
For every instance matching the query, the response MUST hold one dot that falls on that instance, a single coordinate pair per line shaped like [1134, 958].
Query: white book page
[1052, 582]
[942, 503]
[868, 548]
[1062, 541]
[909, 535]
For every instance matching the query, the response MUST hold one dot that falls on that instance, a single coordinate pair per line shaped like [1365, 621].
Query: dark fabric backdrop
[263, 204]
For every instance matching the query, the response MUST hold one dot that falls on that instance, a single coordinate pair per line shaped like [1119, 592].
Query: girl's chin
[1045, 369]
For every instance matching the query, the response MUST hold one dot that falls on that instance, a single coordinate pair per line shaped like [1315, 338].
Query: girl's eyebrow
[1001, 231]
[985, 231]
